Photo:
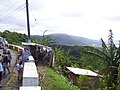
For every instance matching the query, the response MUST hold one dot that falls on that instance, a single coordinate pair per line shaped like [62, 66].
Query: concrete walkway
[7, 76]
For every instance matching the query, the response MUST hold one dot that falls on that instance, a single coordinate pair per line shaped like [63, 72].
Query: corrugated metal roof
[33, 44]
[24, 43]
[79, 71]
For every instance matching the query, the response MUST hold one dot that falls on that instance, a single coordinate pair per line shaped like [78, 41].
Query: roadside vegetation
[103, 60]
[53, 81]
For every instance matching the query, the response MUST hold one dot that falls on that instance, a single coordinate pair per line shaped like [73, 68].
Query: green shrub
[54, 81]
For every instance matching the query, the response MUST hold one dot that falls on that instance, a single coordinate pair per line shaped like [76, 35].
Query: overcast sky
[86, 18]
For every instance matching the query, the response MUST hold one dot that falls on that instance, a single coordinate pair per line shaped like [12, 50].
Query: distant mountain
[64, 39]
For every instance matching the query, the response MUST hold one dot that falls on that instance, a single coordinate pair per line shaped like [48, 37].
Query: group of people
[43, 56]
[22, 57]
[5, 63]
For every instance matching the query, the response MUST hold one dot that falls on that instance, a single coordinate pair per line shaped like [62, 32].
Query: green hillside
[15, 38]
[69, 40]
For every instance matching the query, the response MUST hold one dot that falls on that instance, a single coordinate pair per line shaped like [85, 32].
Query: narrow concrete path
[7, 76]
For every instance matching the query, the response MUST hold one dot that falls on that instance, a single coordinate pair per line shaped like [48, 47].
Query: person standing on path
[5, 64]
[20, 70]
[9, 59]
[1, 69]
[25, 54]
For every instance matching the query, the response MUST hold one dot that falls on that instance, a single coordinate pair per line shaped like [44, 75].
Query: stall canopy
[27, 44]
[34, 44]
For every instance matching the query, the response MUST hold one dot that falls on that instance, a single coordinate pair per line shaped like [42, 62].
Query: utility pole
[43, 36]
[28, 24]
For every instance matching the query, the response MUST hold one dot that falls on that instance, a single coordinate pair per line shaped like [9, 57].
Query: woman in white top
[20, 70]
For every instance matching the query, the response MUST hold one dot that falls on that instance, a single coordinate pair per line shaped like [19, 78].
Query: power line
[9, 8]
[6, 11]
[34, 17]
[12, 13]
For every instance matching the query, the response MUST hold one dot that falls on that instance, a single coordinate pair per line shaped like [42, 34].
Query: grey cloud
[12, 27]
[113, 18]
[8, 11]
[17, 19]
[14, 16]
[37, 4]
[72, 14]
[47, 19]
[52, 27]
[10, 5]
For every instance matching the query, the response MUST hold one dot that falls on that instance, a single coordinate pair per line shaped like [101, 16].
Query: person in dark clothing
[5, 64]
[9, 59]
[39, 55]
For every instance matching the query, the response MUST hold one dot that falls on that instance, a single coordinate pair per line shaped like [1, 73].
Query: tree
[48, 41]
[109, 54]
[16, 38]
[118, 87]
[118, 79]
